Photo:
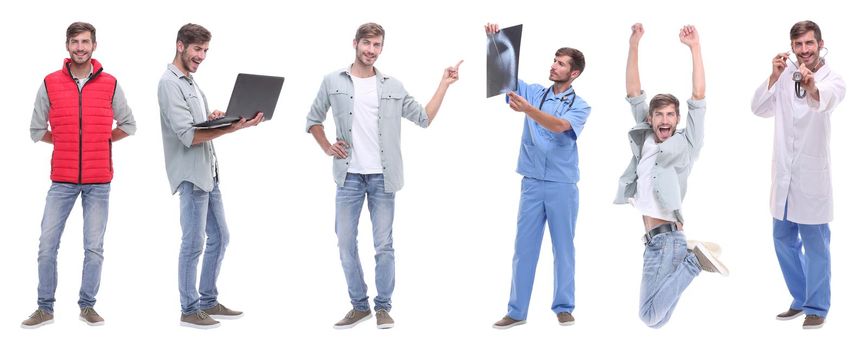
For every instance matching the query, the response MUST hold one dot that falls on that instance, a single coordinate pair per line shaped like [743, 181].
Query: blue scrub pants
[808, 272]
[556, 203]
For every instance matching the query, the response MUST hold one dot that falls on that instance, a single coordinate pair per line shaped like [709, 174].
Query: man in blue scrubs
[554, 117]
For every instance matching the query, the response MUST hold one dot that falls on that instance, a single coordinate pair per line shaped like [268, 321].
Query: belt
[664, 228]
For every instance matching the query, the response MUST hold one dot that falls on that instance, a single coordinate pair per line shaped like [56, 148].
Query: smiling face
[191, 56]
[806, 48]
[80, 47]
[367, 50]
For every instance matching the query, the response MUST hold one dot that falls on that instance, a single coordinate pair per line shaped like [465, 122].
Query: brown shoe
[383, 320]
[38, 319]
[813, 322]
[352, 318]
[791, 314]
[565, 319]
[221, 312]
[89, 316]
[507, 322]
[200, 320]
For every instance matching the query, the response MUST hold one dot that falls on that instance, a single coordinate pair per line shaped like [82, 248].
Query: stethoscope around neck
[797, 76]
[562, 99]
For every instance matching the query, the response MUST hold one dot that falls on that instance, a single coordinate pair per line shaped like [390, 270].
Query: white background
[455, 223]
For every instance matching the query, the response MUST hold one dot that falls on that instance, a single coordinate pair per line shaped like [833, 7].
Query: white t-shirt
[645, 200]
[365, 153]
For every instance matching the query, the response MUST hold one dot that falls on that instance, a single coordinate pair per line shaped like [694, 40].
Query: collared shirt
[674, 160]
[180, 108]
[394, 102]
[801, 172]
[547, 155]
[121, 111]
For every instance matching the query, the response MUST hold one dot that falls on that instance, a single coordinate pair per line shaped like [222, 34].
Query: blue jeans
[59, 202]
[808, 272]
[556, 203]
[201, 215]
[668, 269]
[350, 199]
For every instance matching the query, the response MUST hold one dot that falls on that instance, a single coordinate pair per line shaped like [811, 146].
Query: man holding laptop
[191, 165]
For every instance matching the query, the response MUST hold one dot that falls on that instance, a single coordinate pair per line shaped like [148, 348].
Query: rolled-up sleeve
[639, 107]
[122, 112]
[176, 112]
[695, 123]
[320, 106]
[414, 111]
[39, 121]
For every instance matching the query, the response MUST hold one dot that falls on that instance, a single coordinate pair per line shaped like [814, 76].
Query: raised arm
[633, 81]
[450, 75]
[689, 36]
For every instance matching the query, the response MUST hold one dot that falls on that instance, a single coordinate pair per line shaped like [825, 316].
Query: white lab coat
[801, 166]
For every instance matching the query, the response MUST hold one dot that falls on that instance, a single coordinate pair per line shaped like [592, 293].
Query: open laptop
[252, 94]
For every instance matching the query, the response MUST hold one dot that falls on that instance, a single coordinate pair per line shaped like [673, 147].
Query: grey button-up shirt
[179, 110]
[676, 156]
[394, 102]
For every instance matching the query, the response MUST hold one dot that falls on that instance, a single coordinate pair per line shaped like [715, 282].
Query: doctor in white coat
[801, 96]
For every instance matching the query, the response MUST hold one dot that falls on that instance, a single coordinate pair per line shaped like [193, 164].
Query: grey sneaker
[565, 319]
[708, 261]
[200, 320]
[89, 316]
[38, 319]
[352, 318]
[714, 248]
[383, 320]
[222, 312]
[507, 322]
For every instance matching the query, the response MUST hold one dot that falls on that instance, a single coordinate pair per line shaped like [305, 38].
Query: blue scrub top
[546, 155]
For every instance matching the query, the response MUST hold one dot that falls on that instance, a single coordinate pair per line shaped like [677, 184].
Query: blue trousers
[668, 269]
[556, 203]
[807, 272]
[204, 229]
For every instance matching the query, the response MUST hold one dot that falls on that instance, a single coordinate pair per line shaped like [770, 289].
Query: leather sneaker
[352, 318]
[565, 319]
[791, 314]
[38, 319]
[222, 312]
[507, 322]
[200, 320]
[89, 316]
[813, 322]
[383, 320]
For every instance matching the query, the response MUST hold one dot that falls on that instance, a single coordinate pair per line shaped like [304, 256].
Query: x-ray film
[504, 48]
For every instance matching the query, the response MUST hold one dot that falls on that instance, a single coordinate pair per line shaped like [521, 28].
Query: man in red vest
[74, 111]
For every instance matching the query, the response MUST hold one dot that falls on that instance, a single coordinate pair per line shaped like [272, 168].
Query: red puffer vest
[81, 124]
